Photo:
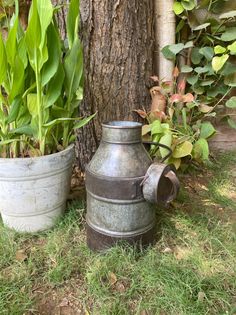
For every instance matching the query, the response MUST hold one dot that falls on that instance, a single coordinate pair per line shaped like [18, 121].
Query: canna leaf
[32, 104]
[26, 130]
[72, 21]
[33, 36]
[11, 43]
[3, 61]
[14, 109]
[84, 121]
[54, 87]
[18, 79]
[22, 52]
[73, 69]
[45, 13]
[54, 54]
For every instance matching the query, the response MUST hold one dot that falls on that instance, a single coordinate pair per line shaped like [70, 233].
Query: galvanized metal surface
[33, 191]
[160, 184]
[116, 207]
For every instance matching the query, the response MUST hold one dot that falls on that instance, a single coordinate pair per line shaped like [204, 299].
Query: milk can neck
[122, 132]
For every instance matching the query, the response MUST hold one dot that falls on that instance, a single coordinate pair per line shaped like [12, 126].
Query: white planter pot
[33, 191]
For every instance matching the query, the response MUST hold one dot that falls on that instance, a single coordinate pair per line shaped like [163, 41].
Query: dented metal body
[118, 179]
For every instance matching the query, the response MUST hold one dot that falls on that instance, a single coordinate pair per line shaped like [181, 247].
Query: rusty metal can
[118, 179]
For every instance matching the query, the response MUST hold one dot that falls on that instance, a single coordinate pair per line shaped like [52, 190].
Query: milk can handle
[175, 184]
[163, 146]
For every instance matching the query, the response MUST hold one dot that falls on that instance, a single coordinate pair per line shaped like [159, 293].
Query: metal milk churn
[123, 186]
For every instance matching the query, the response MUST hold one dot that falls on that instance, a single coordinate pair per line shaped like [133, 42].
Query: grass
[191, 270]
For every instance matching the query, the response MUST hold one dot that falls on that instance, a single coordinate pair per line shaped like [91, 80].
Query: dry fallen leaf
[112, 278]
[201, 296]
[64, 302]
[181, 252]
[21, 255]
[120, 287]
[167, 250]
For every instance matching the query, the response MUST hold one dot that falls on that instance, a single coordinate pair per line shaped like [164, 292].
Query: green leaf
[57, 121]
[229, 34]
[201, 150]
[176, 48]
[55, 87]
[207, 52]
[200, 70]
[232, 123]
[219, 50]
[166, 140]
[146, 129]
[196, 57]
[11, 43]
[84, 121]
[3, 61]
[72, 21]
[18, 79]
[188, 4]
[201, 27]
[180, 26]
[232, 48]
[175, 162]
[228, 15]
[178, 8]
[45, 13]
[207, 130]
[186, 69]
[73, 69]
[22, 52]
[231, 103]
[24, 130]
[183, 149]
[167, 53]
[189, 44]
[156, 128]
[54, 55]
[230, 80]
[192, 79]
[14, 109]
[32, 104]
[219, 62]
[207, 82]
[33, 36]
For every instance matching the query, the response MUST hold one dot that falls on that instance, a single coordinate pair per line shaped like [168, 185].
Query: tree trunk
[61, 15]
[117, 37]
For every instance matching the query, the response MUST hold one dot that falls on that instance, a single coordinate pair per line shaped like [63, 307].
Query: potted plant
[40, 89]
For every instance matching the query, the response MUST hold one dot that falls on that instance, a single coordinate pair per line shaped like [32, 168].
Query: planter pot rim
[13, 160]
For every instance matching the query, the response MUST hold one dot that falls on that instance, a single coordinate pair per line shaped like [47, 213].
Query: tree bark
[117, 37]
[61, 15]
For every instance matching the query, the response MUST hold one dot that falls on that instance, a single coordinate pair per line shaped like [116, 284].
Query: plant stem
[66, 126]
[40, 111]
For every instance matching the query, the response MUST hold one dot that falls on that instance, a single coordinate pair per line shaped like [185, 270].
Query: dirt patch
[59, 301]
